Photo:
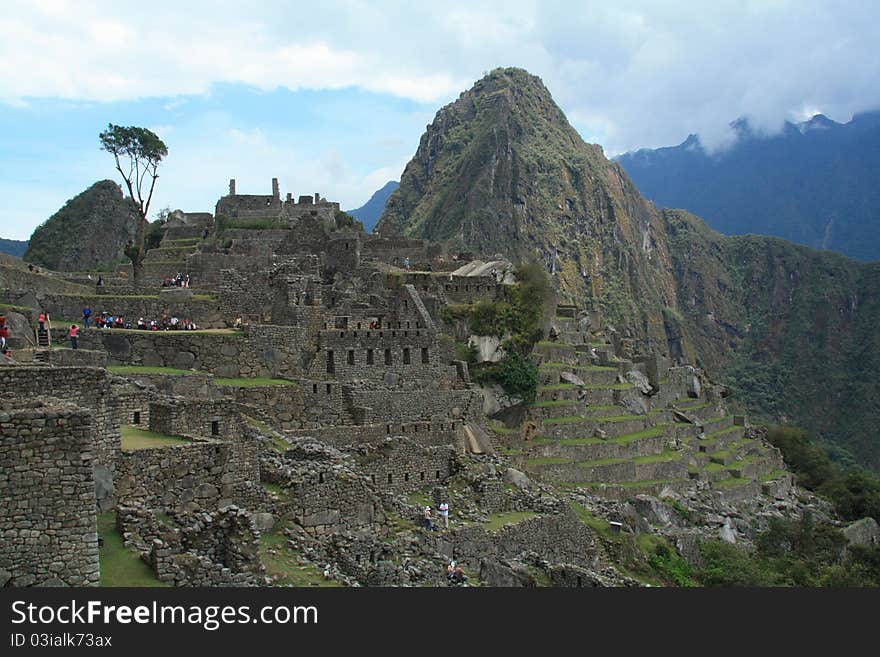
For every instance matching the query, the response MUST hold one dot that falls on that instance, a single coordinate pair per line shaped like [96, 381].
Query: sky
[332, 97]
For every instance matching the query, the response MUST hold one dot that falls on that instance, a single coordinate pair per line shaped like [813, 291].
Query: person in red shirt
[42, 320]
[73, 332]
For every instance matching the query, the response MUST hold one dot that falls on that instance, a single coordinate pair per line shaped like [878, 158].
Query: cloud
[628, 74]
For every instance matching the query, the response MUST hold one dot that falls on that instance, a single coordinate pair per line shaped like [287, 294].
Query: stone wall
[402, 465]
[69, 307]
[205, 267]
[195, 418]
[198, 476]
[433, 433]
[408, 405]
[260, 351]
[87, 387]
[15, 278]
[246, 294]
[47, 495]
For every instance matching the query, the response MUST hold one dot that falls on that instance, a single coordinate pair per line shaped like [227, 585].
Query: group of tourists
[444, 517]
[181, 280]
[455, 574]
[107, 320]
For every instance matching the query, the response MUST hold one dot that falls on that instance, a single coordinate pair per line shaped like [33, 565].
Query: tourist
[87, 316]
[458, 577]
[450, 571]
[429, 522]
[30, 268]
[74, 330]
[406, 263]
[43, 318]
[444, 513]
[99, 284]
[141, 324]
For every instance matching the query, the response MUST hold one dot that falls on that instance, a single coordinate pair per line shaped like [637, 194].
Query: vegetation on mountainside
[519, 320]
[791, 553]
[854, 492]
[791, 331]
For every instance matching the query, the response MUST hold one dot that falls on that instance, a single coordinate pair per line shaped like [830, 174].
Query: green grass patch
[597, 524]
[548, 460]
[551, 365]
[554, 403]
[721, 432]
[733, 482]
[254, 382]
[286, 566]
[121, 566]
[663, 457]
[505, 431]
[598, 462]
[498, 520]
[565, 419]
[134, 439]
[773, 474]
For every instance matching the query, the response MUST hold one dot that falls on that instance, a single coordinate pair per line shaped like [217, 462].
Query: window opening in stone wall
[329, 389]
[388, 357]
[331, 368]
[421, 476]
[436, 474]
[351, 356]
[320, 477]
[369, 356]
[389, 478]
[406, 356]
[215, 428]
[315, 388]
[425, 356]
[137, 418]
[406, 476]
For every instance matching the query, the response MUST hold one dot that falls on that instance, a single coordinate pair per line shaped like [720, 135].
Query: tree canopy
[144, 150]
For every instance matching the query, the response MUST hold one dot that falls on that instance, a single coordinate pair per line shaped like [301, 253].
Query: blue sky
[332, 97]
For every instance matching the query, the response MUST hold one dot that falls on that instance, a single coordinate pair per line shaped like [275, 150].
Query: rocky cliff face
[502, 170]
[791, 329]
[88, 233]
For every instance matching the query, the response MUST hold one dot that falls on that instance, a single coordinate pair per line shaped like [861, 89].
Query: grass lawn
[134, 438]
[255, 382]
[498, 520]
[121, 566]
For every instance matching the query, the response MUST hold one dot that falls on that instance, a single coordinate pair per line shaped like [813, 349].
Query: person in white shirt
[444, 513]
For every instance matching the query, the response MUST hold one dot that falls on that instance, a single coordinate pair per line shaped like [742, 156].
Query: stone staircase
[588, 438]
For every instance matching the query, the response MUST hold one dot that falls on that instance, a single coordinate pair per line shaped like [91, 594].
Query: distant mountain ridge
[13, 247]
[368, 214]
[815, 183]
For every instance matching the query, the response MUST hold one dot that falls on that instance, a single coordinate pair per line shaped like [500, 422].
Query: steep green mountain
[368, 214]
[790, 329]
[814, 183]
[13, 247]
[89, 232]
[501, 170]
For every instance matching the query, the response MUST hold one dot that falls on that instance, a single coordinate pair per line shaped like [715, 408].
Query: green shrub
[515, 373]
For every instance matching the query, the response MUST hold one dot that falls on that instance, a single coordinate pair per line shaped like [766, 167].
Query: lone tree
[144, 151]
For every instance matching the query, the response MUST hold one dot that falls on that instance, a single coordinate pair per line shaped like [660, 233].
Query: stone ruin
[322, 402]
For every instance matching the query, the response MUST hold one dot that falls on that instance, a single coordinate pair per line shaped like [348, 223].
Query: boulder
[20, 332]
[694, 388]
[572, 378]
[517, 478]
[727, 532]
[639, 380]
[104, 489]
[264, 521]
[184, 360]
[863, 532]
[489, 349]
[5, 576]
[657, 512]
